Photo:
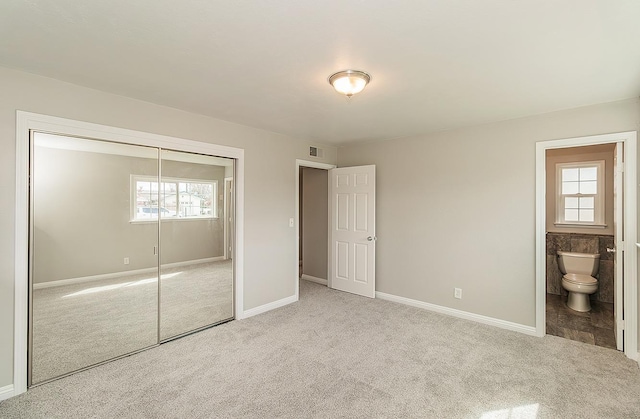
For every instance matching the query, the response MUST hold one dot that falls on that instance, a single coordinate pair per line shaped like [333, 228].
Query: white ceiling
[435, 64]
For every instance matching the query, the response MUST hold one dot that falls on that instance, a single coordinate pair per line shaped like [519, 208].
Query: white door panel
[342, 212]
[361, 266]
[342, 261]
[352, 230]
[361, 212]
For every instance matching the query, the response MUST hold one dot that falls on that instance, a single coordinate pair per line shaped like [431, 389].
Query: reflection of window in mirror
[175, 198]
[580, 193]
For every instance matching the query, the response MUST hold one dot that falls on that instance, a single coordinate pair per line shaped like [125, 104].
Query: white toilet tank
[578, 263]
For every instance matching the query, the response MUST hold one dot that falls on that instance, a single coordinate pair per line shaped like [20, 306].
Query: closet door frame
[27, 122]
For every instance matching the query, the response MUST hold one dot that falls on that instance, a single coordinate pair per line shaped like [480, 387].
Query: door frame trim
[315, 165]
[27, 121]
[227, 204]
[630, 230]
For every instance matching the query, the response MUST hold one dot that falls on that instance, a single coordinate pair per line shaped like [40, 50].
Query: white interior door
[618, 228]
[352, 231]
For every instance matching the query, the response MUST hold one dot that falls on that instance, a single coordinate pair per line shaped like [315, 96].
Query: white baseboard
[6, 392]
[268, 307]
[503, 324]
[112, 275]
[193, 262]
[82, 279]
[321, 281]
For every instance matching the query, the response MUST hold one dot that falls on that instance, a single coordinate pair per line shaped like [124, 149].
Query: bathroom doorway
[581, 221]
[580, 217]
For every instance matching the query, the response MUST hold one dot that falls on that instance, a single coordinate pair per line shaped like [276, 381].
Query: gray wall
[315, 221]
[457, 208]
[82, 216]
[270, 161]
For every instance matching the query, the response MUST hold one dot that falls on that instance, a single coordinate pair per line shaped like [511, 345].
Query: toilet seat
[580, 279]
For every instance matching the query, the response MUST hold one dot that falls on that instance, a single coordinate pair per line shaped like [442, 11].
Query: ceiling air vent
[315, 152]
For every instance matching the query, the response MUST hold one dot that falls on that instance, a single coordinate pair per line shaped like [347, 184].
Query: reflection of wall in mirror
[184, 240]
[82, 216]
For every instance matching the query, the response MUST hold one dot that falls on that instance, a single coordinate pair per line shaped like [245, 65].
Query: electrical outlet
[126, 261]
[457, 293]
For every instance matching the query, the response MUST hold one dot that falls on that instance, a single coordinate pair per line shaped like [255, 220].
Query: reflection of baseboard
[112, 275]
[193, 262]
[317, 280]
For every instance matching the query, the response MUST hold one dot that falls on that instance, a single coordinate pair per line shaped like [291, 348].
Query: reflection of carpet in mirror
[78, 325]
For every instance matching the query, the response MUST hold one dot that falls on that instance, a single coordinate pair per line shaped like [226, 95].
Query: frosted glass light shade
[349, 82]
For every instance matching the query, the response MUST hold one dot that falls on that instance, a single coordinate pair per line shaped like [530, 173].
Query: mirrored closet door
[103, 216]
[196, 278]
[93, 273]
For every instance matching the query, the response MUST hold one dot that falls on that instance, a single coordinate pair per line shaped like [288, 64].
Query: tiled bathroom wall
[582, 243]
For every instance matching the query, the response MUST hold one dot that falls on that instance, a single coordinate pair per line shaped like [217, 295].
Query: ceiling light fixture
[349, 82]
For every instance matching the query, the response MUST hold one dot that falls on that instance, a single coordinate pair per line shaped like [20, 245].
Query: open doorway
[580, 236]
[586, 212]
[313, 221]
[338, 244]
[314, 226]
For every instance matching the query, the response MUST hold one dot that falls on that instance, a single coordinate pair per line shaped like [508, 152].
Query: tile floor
[595, 327]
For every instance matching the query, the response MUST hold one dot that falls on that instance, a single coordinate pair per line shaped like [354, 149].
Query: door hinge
[621, 324]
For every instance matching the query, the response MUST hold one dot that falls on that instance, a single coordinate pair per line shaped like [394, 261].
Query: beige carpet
[334, 354]
[83, 324]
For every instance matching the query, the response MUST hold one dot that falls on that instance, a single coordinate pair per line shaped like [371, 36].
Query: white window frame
[146, 178]
[599, 219]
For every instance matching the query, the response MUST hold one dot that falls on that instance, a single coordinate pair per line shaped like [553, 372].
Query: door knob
[611, 249]
[372, 239]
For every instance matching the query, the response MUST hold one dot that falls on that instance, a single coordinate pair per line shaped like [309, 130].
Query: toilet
[578, 271]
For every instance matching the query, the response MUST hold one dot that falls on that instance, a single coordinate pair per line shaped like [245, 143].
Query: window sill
[574, 225]
[155, 220]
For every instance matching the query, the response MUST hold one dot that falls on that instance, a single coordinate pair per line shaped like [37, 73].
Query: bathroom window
[580, 194]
